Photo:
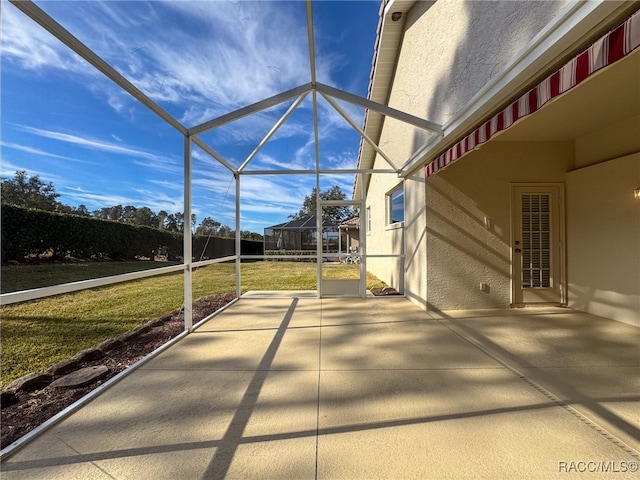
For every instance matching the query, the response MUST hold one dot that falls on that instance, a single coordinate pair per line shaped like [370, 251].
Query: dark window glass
[397, 206]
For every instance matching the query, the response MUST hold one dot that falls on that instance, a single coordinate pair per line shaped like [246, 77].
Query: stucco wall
[603, 238]
[384, 239]
[415, 262]
[450, 50]
[461, 251]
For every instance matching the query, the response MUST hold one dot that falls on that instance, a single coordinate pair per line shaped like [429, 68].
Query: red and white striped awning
[607, 50]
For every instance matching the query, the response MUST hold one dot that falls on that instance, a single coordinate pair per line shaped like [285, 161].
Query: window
[395, 205]
[368, 219]
[536, 240]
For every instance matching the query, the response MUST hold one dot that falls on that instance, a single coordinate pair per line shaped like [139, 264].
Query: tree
[128, 214]
[171, 222]
[179, 221]
[208, 226]
[144, 216]
[226, 232]
[334, 214]
[82, 211]
[249, 235]
[162, 219]
[29, 192]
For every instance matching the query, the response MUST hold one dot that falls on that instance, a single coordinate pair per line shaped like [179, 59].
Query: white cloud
[161, 165]
[267, 208]
[167, 185]
[341, 160]
[154, 199]
[93, 144]
[208, 58]
[264, 162]
[37, 151]
[9, 169]
[158, 200]
[33, 48]
[95, 200]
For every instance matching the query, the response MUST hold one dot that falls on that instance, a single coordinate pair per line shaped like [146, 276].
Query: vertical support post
[318, 206]
[363, 239]
[238, 239]
[187, 247]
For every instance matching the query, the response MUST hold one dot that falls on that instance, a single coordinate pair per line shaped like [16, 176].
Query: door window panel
[536, 245]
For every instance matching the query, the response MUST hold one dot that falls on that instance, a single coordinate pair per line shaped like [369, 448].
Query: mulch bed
[29, 409]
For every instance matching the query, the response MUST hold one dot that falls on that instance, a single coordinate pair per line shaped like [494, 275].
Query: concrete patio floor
[307, 388]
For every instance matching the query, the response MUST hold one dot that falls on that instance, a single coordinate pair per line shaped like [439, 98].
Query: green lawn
[24, 277]
[38, 333]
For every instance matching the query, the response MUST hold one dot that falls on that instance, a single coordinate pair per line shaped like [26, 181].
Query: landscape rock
[81, 377]
[87, 355]
[123, 337]
[30, 382]
[145, 327]
[63, 366]
[8, 397]
[109, 344]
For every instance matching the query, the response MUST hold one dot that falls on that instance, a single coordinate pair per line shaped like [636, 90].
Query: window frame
[389, 202]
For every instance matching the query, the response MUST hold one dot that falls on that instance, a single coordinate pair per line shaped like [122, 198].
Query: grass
[39, 333]
[24, 277]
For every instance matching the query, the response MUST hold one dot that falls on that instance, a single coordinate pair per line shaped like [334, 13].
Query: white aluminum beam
[238, 249]
[358, 129]
[186, 235]
[275, 128]
[273, 257]
[362, 247]
[43, 292]
[319, 242]
[212, 261]
[340, 203]
[45, 21]
[249, 110]
[321, 172]
[312, 50]
[380, 108]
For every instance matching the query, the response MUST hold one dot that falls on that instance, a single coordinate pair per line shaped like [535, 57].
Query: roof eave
[385, 59]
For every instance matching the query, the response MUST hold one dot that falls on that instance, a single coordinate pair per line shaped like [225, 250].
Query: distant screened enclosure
[301, 235]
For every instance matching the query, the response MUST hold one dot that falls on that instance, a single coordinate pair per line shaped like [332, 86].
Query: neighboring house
[350, 240]
[301, 235]
[536, 203]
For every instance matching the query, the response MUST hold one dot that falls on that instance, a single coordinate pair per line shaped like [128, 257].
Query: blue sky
[64, 121]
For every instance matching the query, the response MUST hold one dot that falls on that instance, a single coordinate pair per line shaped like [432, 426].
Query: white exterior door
[537, 251]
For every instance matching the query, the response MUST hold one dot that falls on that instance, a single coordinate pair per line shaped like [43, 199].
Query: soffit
[607, 98]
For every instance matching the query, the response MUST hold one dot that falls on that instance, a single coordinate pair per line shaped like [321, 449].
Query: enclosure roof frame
[329, 93]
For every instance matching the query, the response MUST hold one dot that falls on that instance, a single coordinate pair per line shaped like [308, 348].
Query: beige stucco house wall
[457, 63]
[603, 238]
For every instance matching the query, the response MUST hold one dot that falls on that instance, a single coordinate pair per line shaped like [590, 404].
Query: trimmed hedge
[28, 232]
